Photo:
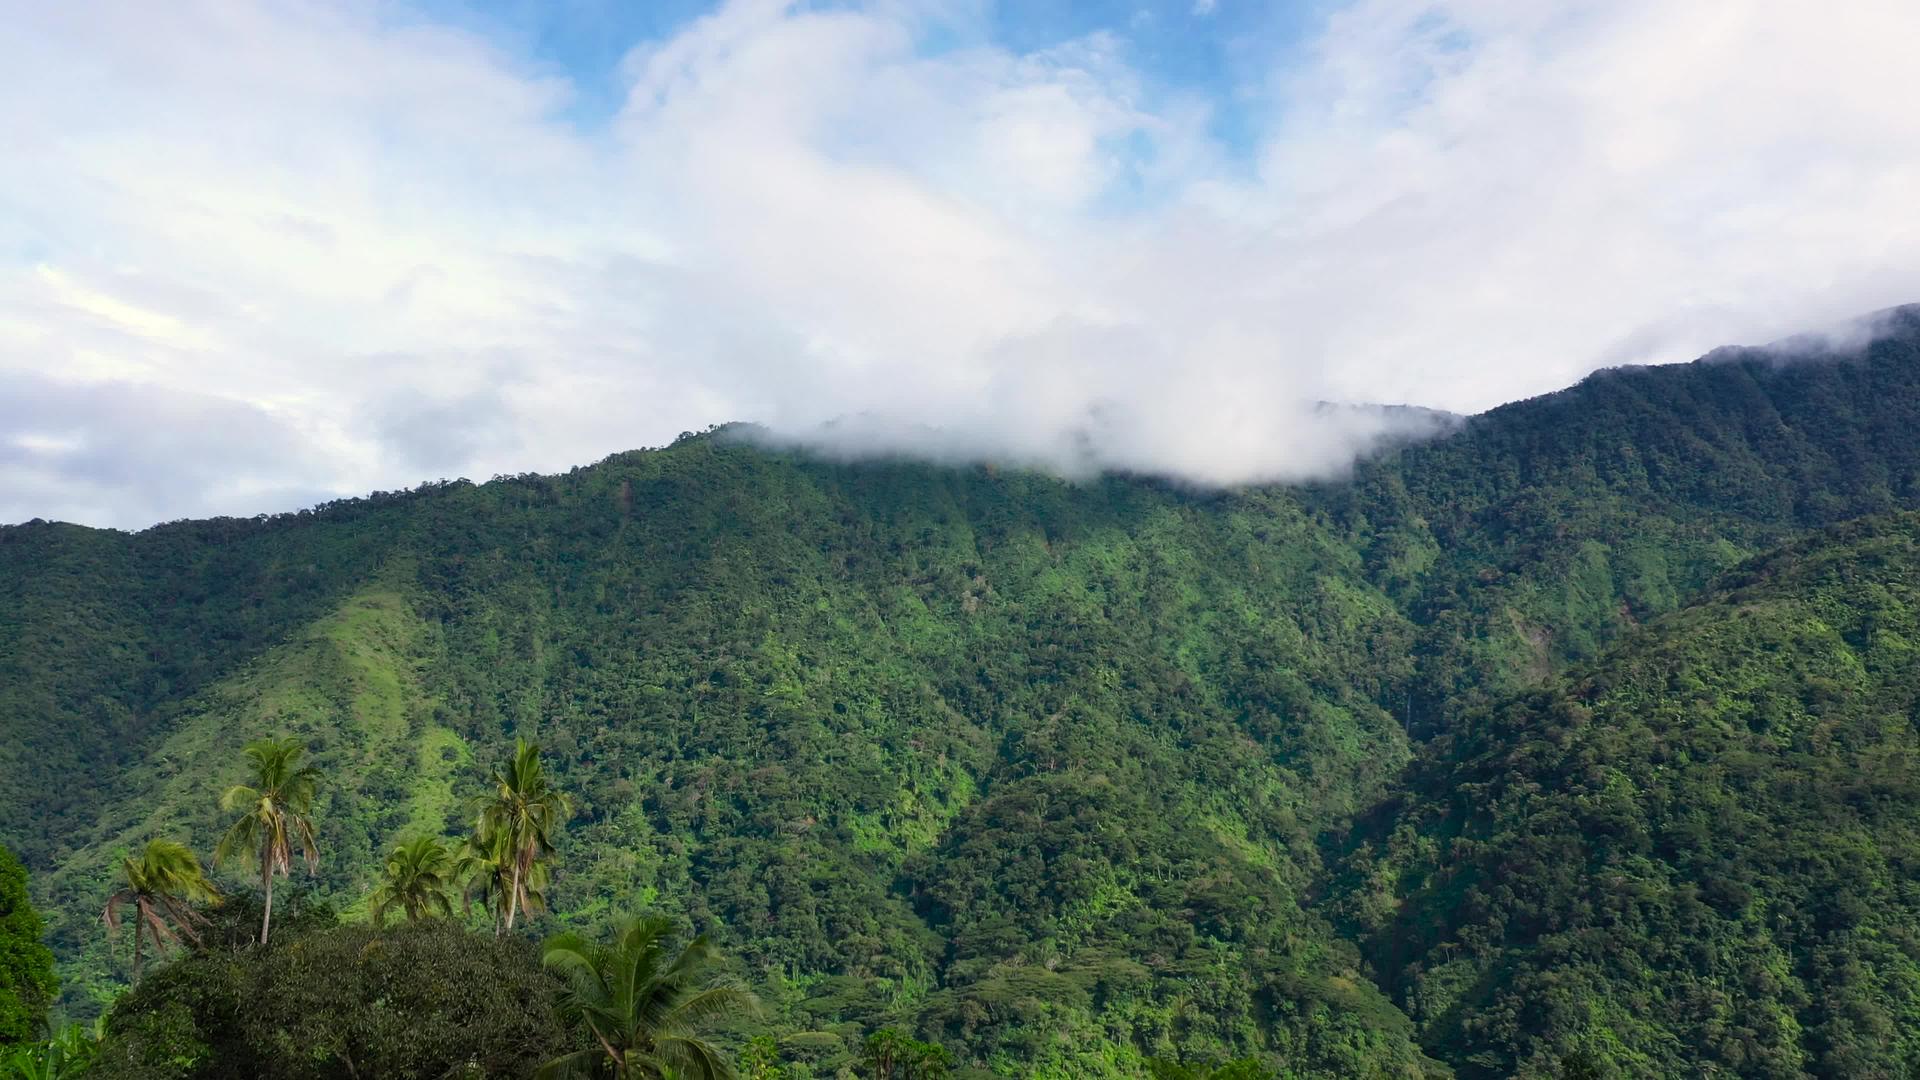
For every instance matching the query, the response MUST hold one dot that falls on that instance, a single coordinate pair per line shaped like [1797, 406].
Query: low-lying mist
[1278, 442]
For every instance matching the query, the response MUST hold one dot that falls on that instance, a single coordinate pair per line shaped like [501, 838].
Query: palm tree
[273, 818]
[645, 1003]
[417, 875]
[488, 869]
[514, 825]
[162, 886]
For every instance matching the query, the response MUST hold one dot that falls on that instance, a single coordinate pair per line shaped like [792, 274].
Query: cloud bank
[252, 254]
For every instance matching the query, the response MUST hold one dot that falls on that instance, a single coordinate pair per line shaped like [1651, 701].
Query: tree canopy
[420, 1001]
[27, 985]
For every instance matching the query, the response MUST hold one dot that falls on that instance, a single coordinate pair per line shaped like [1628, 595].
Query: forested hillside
[1545, 528]
[1696, 855]
[1464, 763]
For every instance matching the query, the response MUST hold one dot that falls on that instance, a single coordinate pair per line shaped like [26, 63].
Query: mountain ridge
[1035, 768]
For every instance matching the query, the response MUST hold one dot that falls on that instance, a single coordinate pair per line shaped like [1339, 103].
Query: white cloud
[113, 450]
[390, 241]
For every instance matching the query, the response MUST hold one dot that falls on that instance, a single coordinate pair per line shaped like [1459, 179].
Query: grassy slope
[349, 683]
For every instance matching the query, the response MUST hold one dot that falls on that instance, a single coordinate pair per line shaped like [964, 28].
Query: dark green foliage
[1049, 773]
[786, 702]
[105, 638]
[888, 1054]
[427, 1001]
[1544, 529]
[1702, 852]
[1243, 1069]
[26, 966]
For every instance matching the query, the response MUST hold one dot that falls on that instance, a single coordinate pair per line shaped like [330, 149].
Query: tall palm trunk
[513, 894]
[136, 948]
[266, 877]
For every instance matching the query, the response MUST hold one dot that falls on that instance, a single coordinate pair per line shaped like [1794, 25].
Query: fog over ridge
[254, 254]
[1298, 441]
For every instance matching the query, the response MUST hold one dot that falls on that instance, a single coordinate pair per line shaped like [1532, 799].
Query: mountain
[1695, 856]
[1066, 775]
[944, 744]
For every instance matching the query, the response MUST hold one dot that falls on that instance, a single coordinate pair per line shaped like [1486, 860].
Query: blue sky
[1212, 48]
[258, 253]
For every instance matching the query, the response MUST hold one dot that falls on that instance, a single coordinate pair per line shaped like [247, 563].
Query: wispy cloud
[395, 246]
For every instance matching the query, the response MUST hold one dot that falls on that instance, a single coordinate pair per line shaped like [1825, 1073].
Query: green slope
[105, 636]
[816, 707]
[1544, 529]
[350, 685]
[1042, 770]
[1696, 856]
[948, 747]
